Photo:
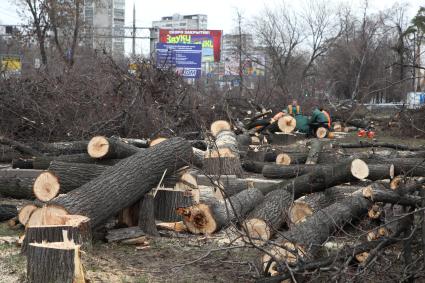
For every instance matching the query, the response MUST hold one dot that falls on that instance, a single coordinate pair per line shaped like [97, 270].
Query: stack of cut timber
[223, 157]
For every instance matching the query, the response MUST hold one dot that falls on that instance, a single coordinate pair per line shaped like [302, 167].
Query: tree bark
[315, 149]
[167, 202]
[62, 148]
[20, 147]
[271, 214]
[120, 185]
[44, 162]
[395, 146]
[253, 166]
[110, 148]
[74, 175]
[210, 215]
[18, 183]
[377, 192]
[403, 166]
[54, 263]
[7, 211]
[78, 230]
[147, 215]
[8, 154]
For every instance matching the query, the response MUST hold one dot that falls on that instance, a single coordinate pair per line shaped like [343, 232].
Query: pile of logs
[296, 196]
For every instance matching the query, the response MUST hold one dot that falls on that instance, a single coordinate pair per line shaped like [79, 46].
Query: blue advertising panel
[185, 58]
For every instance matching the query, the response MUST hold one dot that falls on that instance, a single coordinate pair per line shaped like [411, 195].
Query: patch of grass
[6, 231]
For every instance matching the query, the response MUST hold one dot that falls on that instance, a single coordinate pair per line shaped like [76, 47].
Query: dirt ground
[186, 259]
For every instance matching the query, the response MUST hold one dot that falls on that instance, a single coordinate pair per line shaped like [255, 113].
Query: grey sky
[221, 13]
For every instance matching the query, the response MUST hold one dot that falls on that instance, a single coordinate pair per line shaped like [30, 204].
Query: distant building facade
[177, 21]
[104, 21]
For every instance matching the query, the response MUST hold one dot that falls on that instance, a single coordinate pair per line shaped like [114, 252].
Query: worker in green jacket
[318, 119]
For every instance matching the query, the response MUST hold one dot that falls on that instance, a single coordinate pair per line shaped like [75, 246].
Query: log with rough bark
[376, 171]
[140, 143]
[44, 162]
[305, 239]
[21, 163]
[310, 204]
[210, 215]
[315, 149]
[8, 154]
[62, 148]
[20, 147]
[119, 235]
[73, 175]
[271, 214]
[198, 157]
[378, 192]
[58, 262]
[361, 144]
[7, 211]
[129, 180]
[110, 148]
[147, 215]
[77, 227]
[403, 166]
[285, 139]
[18, 183]
[253, 166]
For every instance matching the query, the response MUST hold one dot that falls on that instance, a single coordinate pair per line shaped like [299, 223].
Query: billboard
[253, 67]
[11, 64]
[209, 39]
[185, 58]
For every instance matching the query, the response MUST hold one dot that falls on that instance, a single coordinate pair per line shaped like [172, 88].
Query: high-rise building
[178, 21]
[104, 21]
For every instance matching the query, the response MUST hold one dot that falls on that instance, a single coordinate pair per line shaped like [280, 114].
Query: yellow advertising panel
[11, 63]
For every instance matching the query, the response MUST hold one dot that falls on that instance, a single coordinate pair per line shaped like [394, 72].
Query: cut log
[21, 163]
[378, 192]
[140, 143]
[62, 148]
[305, 239]
[219, 126]
[167, 201]
[403, 166]
[74, 175]
[210, 215]
[25, 213]
[156, 141]
[271, 214]
[58, 262]
[361, 144]
[321, 133]
[8, 154]
[119, 235]
[380, 171]
[306, 206]
[47, 215]
[120, 185]
[46, 186]
[315, 149]
[20, 147]
[44, 162]
[18, 183]
[108, 148]
[253, 166]
[7, 211]
[147, 215]
[285, 139]
[76, 226]
[287, 124]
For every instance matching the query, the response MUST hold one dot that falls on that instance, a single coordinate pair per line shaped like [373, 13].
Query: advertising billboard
[184, 58]
[11, 64]
[210, 40]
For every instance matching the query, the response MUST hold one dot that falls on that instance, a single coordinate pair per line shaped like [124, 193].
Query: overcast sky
[221, 13]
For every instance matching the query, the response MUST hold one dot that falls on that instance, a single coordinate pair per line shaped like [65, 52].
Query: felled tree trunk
[20, 147]
[120, 185]
[44, 162]
[167, 202]
[110, 148]
[17, 183]
[304, 239]
[62, 148]
[20, 163]
[253, 166]
[57, 262]
[403, 166]
[361, 144]
[210, 215]
[315, 149]
[198, 157]
[77, 228]
[74, 175]
[379, 193]
[308, 205]
[7, 211]
[271, 214]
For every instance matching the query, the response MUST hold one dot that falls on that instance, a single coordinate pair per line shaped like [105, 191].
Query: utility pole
[134, 29]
